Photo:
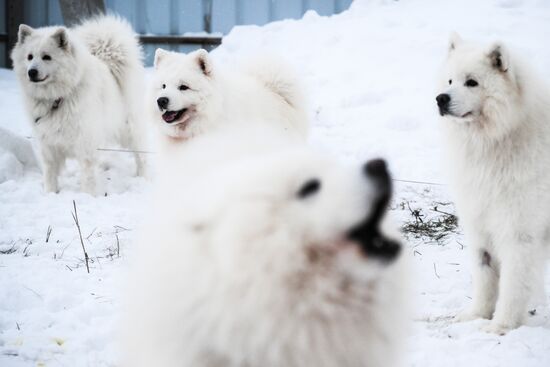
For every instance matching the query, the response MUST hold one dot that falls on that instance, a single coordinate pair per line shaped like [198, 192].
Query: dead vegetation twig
[117, 245]
[435, 271]
[75, 217]
[48, 233]
[9, 250]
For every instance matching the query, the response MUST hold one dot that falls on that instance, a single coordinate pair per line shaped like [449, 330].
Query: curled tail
[112, 39]
[280, 79]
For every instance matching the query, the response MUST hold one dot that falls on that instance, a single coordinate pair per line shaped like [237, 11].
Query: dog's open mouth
[171, 117]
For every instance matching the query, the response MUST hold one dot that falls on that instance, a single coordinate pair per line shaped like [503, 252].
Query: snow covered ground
[370, 74]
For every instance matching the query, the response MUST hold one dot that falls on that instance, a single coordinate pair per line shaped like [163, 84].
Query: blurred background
[179, 25]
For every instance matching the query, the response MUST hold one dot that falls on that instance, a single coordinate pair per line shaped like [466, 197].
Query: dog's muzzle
[367, 233]
[34, 76]
[443, 101]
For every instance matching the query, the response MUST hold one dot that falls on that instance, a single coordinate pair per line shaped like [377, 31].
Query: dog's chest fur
[500, 184]
[54, 121]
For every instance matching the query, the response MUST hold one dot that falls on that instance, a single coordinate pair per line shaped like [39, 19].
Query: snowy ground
[370, 73]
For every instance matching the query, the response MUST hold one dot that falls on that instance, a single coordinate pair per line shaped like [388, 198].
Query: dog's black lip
[443, 112]
[178, 115]
[39, 80]
[368, 233]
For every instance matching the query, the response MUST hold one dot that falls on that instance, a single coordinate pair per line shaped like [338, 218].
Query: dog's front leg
[520, 271]
[51, 165]
[485, 275]
[484, 280]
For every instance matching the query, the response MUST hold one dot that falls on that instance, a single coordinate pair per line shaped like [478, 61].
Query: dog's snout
[377, 171]
[33, 74]
[162, 102]
[443, 100]
[368, 233]
[376, 168]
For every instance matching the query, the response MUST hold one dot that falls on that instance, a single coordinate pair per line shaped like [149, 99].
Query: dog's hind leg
[519, 276]
[140, 164]
[88, 175]
[134, 141]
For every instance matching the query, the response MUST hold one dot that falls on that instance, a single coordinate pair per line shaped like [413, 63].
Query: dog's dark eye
[309, 188]
[450, 81]
[183, 87]
[471, 83]
[46, 57]
[29, 57]
[164, 86]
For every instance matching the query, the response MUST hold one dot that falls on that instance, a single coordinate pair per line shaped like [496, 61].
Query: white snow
[370, 74]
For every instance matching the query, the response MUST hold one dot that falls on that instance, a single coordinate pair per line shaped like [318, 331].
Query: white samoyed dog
[497, 119]
[191, 94]
[268, 258]
[82, 92]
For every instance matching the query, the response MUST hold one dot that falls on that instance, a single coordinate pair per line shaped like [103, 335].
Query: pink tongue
[169, 116]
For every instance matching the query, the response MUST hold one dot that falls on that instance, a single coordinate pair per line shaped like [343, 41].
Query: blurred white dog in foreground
[82, 91]
[190, 95]
[497, 116]
[268, 258]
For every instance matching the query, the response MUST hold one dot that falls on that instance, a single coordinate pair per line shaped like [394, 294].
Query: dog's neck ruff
[55, 105]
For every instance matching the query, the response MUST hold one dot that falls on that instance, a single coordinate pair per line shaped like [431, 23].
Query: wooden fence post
[74, 11]
[14, 17]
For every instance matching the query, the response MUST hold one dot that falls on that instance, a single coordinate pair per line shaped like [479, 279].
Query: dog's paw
[51, 188]
[468, 315]
[497, 328]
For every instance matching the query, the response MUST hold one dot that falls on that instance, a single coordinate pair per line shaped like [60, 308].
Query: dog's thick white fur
[251, 262]
[497, 119]
[82, 91]
[191, 94]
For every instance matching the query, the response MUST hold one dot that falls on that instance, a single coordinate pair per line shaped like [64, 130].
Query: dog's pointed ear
[24, 32]
[499, 57]
[204, 62]
[454, 41]
[160, 54]
[61, 38]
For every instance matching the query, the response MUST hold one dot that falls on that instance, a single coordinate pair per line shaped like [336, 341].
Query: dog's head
[183, 92]
[295, 212]
[43, 58]
[478, 85]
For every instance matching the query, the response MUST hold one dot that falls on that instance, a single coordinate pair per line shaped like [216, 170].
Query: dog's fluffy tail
[279, 78]
[112, 39]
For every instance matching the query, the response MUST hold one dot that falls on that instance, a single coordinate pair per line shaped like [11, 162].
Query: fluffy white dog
[190, 95]
[497, 118]
[82, 91]
[270, 257]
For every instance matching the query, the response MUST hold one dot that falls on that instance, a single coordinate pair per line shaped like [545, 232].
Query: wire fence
[416, 182]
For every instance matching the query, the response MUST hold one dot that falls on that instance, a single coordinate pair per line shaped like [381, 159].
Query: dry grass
[434, 225]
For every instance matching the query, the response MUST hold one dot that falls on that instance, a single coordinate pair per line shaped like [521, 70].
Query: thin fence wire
[149, 152]
[125, 151]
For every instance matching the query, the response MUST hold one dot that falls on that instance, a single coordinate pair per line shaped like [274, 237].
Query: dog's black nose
[368, 233]
[162, 102]
[376, 168]
[443, 100]
[377, 171]
[33, 74]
